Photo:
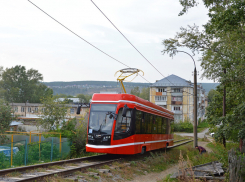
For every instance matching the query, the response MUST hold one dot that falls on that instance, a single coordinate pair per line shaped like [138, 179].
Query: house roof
[172, 81]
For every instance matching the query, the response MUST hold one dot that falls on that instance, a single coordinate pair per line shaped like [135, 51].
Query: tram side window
[172, 126]
[143, 123]
[169, 127]
[138, 122]
[147, 123]
[159, 124]
[123, 123]
[164, 122]
[154, 125]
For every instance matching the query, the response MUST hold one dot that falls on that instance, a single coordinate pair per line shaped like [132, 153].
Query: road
[199, 135]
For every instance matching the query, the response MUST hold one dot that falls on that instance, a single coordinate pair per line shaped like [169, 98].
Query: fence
[23, 153]
[236, 167]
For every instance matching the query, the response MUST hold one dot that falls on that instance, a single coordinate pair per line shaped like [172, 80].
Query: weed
[14, 174]
[106, 167]
[133, 163]
[93, 170]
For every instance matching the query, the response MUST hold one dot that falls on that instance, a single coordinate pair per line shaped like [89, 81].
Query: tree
[53, 114]
[21, 85]
[135, 91]
[222, 44]
[145, 93]
[211, 95]
[84, 98]
[6, 117]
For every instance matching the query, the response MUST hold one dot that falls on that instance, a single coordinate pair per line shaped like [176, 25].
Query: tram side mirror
[79, 109]
[124, 111]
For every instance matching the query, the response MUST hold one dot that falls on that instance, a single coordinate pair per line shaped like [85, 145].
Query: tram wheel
[143, 150]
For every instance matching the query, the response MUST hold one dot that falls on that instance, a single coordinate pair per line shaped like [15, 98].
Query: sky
[30, 38]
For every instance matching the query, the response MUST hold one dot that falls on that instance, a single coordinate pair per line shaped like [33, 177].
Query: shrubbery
[76, 132]
[187, 126]
[183, 126]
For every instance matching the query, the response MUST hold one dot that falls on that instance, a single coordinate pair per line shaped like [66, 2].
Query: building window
[160, 98]
[161, 90]
[164, 106]
[43, 110]
[22, 109]
[178, 98]
[72, 111]
[176, 108]
[176, 90]
[29, 109]
[36, 109]
[15, 109]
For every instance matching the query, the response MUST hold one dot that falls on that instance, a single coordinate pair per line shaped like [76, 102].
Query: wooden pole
[195, 108]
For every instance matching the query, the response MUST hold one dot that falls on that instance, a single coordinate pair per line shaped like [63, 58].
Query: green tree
[145, 93]
[21, 85]
[211, 95]
[84, 98]
[6, 116]
[53, 115]
[222, 45]
[135, 91]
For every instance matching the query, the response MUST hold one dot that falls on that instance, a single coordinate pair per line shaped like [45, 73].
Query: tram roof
[108, 97]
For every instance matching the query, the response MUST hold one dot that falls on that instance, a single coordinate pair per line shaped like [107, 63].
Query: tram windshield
[101, 118]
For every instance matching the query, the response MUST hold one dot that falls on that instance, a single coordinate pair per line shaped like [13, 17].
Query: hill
[90, 87]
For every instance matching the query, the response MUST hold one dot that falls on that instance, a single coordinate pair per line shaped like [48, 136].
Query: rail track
[62, 168]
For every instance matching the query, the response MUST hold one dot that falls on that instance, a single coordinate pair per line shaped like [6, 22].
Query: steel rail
[46, 165]
[180, 140]
[64, 172]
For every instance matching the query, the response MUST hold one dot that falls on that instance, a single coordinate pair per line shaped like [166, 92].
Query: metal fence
[24, 153]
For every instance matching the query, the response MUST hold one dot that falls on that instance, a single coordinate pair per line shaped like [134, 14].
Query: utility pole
[224, 108]
[195, 108]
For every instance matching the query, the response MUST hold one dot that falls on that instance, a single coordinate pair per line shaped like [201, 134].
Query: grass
[158, 161]
[14, 174]
[178, 137]
[219, 154]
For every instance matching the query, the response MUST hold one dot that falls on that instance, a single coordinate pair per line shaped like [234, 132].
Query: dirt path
[154, 177]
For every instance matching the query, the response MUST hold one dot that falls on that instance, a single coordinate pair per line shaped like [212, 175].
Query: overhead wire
[133, 45]
[82, 38]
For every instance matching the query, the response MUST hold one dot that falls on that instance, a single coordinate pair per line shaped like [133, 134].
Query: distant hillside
[90, 87]
[209, 86]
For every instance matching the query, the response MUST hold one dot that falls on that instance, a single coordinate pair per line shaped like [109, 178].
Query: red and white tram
[126, 124]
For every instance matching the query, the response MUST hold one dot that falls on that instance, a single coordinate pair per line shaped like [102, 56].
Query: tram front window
[101, 118]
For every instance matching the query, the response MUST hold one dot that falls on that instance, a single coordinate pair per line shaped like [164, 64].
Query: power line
[132, 44]
[82, 38]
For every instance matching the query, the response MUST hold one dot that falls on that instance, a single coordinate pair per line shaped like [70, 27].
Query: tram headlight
[90, 136]
[107, 137]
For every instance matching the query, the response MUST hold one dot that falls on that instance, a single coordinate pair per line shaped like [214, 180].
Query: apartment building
[176, 94]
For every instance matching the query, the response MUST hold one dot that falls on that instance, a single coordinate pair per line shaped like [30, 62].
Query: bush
[76, 131]
[183, 126]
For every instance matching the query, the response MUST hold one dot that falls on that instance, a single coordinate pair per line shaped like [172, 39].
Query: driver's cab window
[123, 123]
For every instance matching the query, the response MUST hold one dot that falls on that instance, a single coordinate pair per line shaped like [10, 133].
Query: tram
[127, 124]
